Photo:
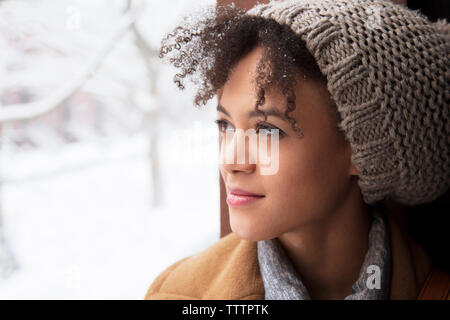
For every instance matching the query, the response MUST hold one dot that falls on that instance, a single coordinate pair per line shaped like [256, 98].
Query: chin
[250, 232]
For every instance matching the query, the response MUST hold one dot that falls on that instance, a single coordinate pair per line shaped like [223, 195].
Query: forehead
[314, 106]
[241, 90]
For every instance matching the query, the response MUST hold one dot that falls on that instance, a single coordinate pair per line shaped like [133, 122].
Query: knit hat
[387, 70]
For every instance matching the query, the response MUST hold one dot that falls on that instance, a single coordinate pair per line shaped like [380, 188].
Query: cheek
[307, 180]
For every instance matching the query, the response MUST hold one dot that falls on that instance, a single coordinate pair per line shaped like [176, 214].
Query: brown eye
[221, 124]
[268, 128]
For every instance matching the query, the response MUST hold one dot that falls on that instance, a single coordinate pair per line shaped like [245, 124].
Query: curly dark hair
[210, 45]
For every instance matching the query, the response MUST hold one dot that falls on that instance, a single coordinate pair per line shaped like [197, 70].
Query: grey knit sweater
[282, 282]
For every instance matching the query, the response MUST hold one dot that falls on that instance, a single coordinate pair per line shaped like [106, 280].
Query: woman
[356, 97]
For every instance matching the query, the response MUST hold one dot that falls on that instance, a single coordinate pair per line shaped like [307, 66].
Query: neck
[328, 254]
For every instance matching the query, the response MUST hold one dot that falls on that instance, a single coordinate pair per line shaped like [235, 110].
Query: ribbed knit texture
[387, 69]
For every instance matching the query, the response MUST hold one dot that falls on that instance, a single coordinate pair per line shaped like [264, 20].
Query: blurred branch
[147, 53]
[150, 111]
[32, 110]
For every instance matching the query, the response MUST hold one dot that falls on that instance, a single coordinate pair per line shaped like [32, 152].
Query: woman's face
[314, 171]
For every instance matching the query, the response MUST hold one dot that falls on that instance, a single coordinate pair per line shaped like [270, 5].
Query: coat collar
[229, 270]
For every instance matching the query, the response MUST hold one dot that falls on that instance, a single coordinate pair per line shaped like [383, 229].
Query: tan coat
[229, 270]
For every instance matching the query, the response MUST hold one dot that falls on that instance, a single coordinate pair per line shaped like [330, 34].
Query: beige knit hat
[387, 69]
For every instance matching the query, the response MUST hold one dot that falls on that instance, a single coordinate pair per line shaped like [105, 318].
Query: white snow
[90, 232]
[79, 218]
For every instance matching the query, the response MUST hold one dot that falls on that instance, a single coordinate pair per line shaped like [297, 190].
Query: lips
[240, 192]
[239, 197]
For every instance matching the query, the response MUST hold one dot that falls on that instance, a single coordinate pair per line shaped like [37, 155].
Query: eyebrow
[255, 113]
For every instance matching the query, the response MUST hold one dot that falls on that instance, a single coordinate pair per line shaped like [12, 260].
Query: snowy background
[101, 194]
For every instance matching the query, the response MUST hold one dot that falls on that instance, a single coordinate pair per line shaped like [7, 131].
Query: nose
[229, 145]
[235, 168]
